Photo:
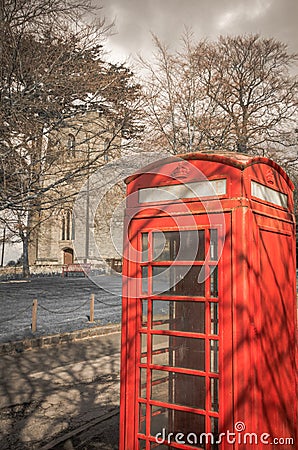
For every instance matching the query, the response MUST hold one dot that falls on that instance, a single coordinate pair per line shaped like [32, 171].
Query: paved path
[49, 391]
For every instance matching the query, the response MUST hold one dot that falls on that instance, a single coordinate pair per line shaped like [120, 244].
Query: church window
[67, 229]
[71, 145]
[106, 150]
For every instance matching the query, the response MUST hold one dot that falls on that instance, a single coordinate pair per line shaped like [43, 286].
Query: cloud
[241, 14]
[136, 19]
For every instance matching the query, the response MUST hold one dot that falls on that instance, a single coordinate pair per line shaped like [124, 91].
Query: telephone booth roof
[238, 160]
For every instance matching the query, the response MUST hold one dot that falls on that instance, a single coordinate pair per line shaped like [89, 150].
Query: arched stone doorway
[68, 256]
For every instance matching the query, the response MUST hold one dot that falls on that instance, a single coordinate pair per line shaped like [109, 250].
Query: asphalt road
[63, 305]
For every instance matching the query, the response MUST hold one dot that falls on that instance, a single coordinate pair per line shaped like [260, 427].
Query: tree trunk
[242, 144]
[26, 268]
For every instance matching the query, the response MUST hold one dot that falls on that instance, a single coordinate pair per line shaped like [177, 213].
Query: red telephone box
[209, 305]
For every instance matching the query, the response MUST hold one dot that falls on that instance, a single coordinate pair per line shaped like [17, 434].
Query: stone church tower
[53, 247]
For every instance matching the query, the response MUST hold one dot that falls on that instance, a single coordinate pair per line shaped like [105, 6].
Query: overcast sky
[136, 19]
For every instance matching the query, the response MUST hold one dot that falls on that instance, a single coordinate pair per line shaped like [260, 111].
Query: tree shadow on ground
[48, 392]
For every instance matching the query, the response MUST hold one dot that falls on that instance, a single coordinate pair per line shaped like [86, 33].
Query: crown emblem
[269, 177]
[181, 171]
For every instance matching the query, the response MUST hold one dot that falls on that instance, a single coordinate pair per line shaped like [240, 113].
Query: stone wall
[10, 272]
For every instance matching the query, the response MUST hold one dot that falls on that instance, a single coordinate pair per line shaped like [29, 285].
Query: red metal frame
[256, 308]
[206, 300]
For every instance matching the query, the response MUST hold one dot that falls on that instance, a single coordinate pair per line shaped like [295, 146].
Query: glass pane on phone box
[145, 279]
[143, 339]
[161, 350]
[213, 281]
[190, 424]
[186, 245]
[215, 432]
[178, 388]
[178, 315]
[144, 247]
[214, 346]
[179, 280]
[179, 351]
[144, 312]
[213, 245]
[142, 444]
[142, 418]
[214, 318]
[143, 383]
[214, 393]
[159, 419]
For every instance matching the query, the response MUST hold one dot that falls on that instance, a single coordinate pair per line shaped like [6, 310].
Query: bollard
[92, 308]
[34, 316]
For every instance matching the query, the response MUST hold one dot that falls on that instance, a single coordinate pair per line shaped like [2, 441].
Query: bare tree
[249, 79]
[178, 112]
[236, 93]
[63, 109]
